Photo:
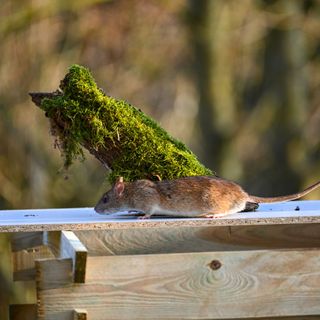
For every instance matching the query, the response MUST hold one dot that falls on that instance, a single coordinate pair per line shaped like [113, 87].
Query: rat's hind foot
[214, 215]
[144, 217]
[251, 206]
[210, 216]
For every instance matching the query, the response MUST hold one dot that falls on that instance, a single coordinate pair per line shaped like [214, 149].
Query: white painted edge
[70, 245]
[88, 215]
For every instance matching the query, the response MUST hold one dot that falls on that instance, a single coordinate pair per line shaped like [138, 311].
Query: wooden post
[26, 247]
[65, 244]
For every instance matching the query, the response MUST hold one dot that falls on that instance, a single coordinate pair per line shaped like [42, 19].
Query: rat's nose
[98, 210]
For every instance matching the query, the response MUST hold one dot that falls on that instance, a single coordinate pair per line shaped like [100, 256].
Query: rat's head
[113, 200]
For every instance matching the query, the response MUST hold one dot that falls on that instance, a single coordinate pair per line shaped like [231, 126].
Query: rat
[193, 196]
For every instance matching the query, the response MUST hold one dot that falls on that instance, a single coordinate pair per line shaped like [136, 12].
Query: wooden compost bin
[260, 265]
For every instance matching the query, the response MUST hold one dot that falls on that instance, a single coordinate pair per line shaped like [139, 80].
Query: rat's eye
[105, 199]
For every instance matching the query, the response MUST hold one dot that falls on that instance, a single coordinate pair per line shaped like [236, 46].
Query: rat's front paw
[211, 216]
[144, 217]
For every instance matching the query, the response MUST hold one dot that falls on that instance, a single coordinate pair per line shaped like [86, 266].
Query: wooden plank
[52, 239]
[23, 311]
[23, 262]
[208, 285]
[25, 292]
[66, 244]
[87, 219]
[317, 317]
[72, 247]
[25, 240]
[56, 272]
[199, 239]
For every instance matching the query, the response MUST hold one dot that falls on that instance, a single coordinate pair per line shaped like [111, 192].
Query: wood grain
[200, 239]
[25, 240]
[23, 262]
[255, 283]
[53, 273]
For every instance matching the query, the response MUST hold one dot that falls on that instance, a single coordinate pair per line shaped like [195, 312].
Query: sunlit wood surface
[87, 219]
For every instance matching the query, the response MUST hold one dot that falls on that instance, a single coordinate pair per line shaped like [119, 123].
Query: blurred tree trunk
[7, 293]
[210, 23]
[280, 94]
[283, 91]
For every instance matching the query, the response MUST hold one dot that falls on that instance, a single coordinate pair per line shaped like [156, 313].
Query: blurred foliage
[238, 82]
[39, 42]
[257, 65]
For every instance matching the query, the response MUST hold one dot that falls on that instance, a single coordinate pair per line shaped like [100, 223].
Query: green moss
[84, 116]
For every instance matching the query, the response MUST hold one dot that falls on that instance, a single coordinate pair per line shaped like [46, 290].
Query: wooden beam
[55, 273]
[62, 244]
[23, 262]
[52, 239]
[207, 285]
[295, 212]
[25, 240]
[199, 239]
[66, 244]
[317, 317]
[72, 247]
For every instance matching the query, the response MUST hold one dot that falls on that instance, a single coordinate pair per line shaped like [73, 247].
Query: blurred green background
[237, 81]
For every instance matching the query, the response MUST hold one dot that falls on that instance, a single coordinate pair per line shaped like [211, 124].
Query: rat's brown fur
[198, 196]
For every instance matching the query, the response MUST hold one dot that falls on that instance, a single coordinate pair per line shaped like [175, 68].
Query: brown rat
[196, 196]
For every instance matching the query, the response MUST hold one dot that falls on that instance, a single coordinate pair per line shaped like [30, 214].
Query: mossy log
[121, 136]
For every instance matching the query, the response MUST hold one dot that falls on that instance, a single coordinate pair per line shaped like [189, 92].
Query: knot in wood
[215, 264]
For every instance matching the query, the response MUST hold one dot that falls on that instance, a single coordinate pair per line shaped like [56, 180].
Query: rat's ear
[119, 179]
[119, 186]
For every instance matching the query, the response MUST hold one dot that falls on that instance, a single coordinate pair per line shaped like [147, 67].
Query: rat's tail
[289, 197]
